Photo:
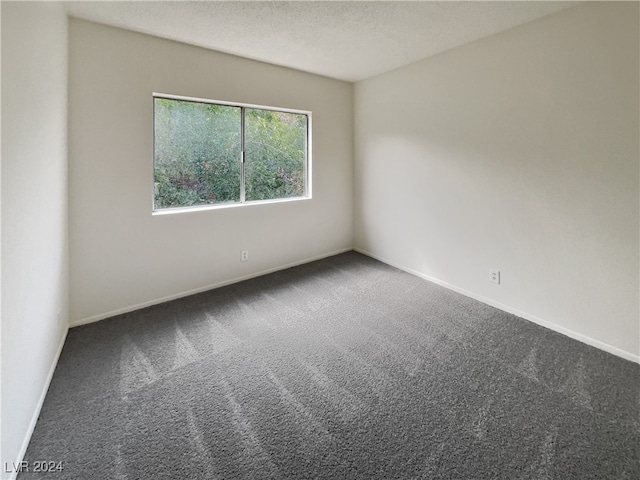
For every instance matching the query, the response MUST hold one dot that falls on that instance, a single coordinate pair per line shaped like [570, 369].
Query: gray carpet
[344, 368]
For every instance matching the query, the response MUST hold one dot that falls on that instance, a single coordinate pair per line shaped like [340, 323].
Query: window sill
[220, 206]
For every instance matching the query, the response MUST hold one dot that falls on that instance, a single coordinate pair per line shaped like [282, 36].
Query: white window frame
[243, 202]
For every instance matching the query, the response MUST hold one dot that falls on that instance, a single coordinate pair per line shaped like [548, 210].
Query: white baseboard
[506, 308]
[32, 424]
[131, 308]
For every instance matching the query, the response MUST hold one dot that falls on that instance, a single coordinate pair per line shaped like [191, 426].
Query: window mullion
[242, 156]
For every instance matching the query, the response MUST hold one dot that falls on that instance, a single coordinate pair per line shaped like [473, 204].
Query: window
[212, 153]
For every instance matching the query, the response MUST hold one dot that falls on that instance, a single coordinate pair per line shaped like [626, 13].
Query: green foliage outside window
[197, 153]
[275, 146]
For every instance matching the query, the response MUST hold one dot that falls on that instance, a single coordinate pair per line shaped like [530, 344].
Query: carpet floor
[344, 368]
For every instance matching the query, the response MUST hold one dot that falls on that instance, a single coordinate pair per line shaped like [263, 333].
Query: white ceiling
[345, 40]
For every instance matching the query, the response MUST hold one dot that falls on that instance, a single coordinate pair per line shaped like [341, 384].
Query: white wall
[517, 152]
[122, 256]
[34, 212]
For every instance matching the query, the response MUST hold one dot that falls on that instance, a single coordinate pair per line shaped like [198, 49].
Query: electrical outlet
[244, 255]
[494, 276]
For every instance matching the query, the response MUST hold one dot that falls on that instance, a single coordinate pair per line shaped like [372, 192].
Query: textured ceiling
[344, 40]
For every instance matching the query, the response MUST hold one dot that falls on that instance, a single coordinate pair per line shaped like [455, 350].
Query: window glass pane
[275, 145]
[196, 153]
